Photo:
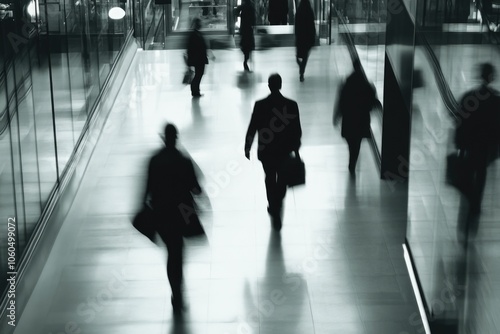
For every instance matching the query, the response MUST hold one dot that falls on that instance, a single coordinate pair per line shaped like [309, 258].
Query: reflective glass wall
[55, 57]
[454, 245]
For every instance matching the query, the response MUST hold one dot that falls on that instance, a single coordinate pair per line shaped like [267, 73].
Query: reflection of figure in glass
[246, 11]
[277, 121]
[305, 34]
[196, 56]
[356, 99]
[278, 12]
[214, 8]
[477, 133]
[171, 183]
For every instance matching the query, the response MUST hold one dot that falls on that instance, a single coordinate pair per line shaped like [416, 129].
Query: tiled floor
[336, 267]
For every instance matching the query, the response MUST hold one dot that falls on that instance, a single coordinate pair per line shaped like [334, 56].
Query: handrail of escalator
[447, 95]
[449, 100]
[349, 41]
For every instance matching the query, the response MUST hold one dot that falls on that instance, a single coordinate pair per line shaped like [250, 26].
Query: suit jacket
[276, 120]
[479, 120]
[196, 49]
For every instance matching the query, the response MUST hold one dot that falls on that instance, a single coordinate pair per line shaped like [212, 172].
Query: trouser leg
[354, 147]
[246, 55]
[303, 62]
[199, 70]
[175, 245]
[275, 185]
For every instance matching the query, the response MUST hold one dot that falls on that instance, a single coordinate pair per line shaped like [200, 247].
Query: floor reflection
[283, 294]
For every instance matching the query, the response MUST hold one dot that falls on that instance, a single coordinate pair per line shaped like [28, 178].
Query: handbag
[458, 171]
[144, 222]
[294, 170]
[188, 77]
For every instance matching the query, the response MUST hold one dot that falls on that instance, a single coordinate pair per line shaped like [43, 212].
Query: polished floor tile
[336, 266]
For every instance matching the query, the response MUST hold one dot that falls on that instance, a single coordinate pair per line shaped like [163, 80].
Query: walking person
[277, 122]
[477, 133]
[196, 56]
[170, 187]
[246, 11]
[305, 34]
[356, 99]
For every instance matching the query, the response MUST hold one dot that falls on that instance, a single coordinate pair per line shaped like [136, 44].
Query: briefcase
[294, 170]
[188, 77]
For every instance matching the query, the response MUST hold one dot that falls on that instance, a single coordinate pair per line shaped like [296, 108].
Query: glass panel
[90, 50]
[27, 141]
[74, 31]
[104, 41]
[7, 202]
[213, 15]
[454, 246]
[43, 118]
[15, 141]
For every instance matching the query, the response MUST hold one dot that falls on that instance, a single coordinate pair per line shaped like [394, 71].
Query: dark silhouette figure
[277, 121]
[477, 133]
[278, 12]
[196, 56]
[246, 11]
[305, 34]
[356, 99]
[171, 183]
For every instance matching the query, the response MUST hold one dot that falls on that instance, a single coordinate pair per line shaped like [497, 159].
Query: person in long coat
[246, 11]
[196, 56]
[356, 99]
[170, 185]
[305, 34]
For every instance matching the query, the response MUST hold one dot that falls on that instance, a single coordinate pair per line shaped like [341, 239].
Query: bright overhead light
[31, 9]
[116, 13]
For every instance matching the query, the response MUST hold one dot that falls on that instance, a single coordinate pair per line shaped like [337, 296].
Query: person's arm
[252, 129]
[149, 184]
[297, 130]
[195, 187]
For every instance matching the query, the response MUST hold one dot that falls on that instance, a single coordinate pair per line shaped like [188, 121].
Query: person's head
[274, 83]
[196, 23]
[487, 72]
[170, 135]
[304, 3]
